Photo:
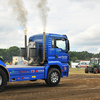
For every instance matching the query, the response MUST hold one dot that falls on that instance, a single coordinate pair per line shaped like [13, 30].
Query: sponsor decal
[32, 71]
[51, 49]
[59, 57]
[63, 57]
[58, 51]
[33, 76]
[40, 70]
[14, 72]
[36, 71]
[24, 71]
[26, 77]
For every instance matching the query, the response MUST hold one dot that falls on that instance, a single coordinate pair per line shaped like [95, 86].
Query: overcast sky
[78, 19]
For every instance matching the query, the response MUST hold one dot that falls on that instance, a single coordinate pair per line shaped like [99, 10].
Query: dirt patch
[74, 87]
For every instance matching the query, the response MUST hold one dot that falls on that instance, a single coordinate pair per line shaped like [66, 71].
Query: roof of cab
[50, 35]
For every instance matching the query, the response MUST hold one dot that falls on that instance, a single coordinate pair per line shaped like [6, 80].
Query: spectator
[6, 63]
[10, 63]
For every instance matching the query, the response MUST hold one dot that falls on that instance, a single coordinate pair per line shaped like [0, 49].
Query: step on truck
[46, 57]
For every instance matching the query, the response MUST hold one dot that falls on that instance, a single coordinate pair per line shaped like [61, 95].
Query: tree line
[7, 54]
[84, 55]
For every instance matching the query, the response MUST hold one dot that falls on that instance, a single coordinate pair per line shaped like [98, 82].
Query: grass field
[80, 71]
[76, 70]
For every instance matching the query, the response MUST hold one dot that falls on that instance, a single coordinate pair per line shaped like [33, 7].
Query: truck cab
[56, 47]
[46, 57]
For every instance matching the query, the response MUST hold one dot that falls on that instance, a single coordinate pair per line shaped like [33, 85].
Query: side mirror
[67, 45]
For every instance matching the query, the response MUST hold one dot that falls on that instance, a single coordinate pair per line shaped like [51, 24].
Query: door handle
[56, 56]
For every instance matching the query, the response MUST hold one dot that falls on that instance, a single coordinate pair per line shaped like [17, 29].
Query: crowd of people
[7, 63]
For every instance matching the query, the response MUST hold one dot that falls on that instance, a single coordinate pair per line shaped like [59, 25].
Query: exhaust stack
[43, 48]
[25, 32]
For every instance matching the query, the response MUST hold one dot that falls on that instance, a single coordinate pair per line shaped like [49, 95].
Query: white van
[83, 64]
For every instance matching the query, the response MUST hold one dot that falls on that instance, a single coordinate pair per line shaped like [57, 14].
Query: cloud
[78, 19]
[89, 40]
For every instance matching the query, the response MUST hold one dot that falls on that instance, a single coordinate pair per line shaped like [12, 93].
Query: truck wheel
[91, 71]
[95, 70]
[86, 70]
[3, 80]
[53, 77]
[99, 69]
[76, 66]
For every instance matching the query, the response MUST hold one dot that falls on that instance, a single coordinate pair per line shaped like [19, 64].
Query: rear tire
[86, 70]
[95, 70]
[53, 77]
[99, 69]
[3, 80]
[91, 71]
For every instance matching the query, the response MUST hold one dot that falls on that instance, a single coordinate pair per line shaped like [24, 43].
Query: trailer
[46, 58]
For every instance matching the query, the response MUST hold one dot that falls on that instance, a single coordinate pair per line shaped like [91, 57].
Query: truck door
[60, 52]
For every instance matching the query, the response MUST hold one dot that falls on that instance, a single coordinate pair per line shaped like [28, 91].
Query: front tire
[86, 70]
[95, 70]
[53, 77]
[3, 80]
[99, 69]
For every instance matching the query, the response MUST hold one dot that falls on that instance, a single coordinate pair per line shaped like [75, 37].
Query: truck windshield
[61, 44]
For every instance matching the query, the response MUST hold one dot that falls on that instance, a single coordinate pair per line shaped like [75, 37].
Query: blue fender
[2, 64]
[58, 63]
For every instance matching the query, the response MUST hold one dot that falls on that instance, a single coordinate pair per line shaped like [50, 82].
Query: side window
[81, 63]
[53, 43]
[78, 63]
[99, 61]
[84, 63]
[61, 44]
[58, 43]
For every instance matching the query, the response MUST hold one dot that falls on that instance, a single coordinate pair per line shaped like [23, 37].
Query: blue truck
[46, 57]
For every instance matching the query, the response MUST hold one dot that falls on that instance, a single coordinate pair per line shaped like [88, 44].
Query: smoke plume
[43, 11]
[21, 12]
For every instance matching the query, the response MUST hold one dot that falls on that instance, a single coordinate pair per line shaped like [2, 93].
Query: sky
[78, 19]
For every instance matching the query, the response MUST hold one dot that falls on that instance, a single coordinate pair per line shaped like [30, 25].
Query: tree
[74, 59]
[13, 51]
[8, 53]
[84, 55]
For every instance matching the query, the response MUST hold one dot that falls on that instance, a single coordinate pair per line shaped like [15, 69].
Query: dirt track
[74, 87]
